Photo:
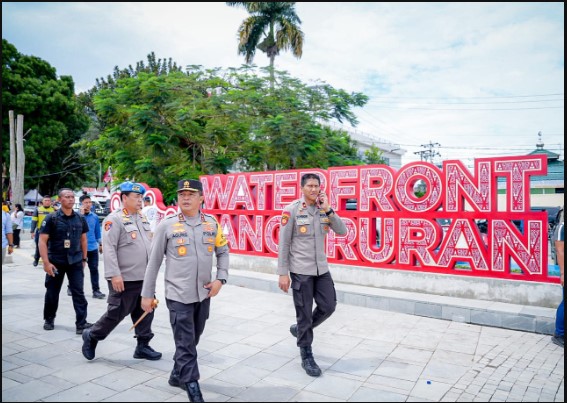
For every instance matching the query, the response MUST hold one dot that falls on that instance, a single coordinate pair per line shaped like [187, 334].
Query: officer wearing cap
[126, 241]
[188, 240]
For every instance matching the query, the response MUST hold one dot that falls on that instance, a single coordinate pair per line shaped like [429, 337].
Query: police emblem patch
[134, 235]
[285, 218]
[107, 225]
[303, 230]
[210, 248]
[182, 251]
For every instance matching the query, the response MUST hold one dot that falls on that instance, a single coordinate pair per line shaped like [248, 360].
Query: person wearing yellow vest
[39, 215]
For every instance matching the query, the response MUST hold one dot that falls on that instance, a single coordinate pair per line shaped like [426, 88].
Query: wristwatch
[11, 245]
[222, 280]
[85, 260]
[328, 213]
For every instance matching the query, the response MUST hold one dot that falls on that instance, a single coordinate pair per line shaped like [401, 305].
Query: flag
[107, 175]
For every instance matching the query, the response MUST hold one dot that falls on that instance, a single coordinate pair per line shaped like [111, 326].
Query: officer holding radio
[304, 225]
[188, 240]
[126, 242]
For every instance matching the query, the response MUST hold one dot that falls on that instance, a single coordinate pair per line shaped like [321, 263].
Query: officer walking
[126, 243]
[301, 254]
[188, 241]
[63, 249]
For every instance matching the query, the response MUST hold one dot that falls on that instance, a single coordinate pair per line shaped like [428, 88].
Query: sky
[457, 80]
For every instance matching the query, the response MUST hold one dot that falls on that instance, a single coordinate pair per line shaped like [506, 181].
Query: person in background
[5, 207]
[7, 237]
[94, 243]
[559, 336]
[151, 213]
[39, 215]
[17, 223]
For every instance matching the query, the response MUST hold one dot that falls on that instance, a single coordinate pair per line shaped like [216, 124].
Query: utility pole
[429, 153]
[17, 158]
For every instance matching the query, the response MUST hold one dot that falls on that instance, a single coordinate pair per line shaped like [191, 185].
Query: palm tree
[275, 22]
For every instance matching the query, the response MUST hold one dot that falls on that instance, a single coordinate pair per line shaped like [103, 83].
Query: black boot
[194, 391]
[293, 330]
[308, 362]
[143, 350]
[89, 344]
[174, 380]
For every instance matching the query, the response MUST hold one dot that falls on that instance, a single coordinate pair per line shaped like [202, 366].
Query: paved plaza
[247, 353]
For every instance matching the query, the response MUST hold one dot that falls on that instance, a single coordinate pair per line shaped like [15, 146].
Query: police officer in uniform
[301, 254]
[188, 240]
[39, 215]
[126, 243]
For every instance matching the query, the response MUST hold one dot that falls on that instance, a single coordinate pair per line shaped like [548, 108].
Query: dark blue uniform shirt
[61, 227]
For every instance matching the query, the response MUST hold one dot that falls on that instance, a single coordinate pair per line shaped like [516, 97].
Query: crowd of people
[134, 248]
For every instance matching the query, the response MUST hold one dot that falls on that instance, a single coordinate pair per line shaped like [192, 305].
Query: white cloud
[404, 56]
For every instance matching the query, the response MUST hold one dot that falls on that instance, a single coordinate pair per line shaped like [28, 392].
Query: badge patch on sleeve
[107, 225]
[285, 219]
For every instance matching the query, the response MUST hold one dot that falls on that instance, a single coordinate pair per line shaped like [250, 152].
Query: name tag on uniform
[67, 243]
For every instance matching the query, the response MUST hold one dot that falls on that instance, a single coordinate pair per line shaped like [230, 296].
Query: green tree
[374, 155]
[159, 128]
[53, 120]
[276, 23]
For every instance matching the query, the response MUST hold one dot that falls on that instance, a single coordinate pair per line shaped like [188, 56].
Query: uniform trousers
[305, 290]
[121, 304]
[188, 323]
[76, 277]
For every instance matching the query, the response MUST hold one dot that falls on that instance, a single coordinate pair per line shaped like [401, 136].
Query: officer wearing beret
[304, 226]
[188, 241]
[126, 242]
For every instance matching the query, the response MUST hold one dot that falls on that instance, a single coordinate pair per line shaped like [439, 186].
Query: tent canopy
[33, 195]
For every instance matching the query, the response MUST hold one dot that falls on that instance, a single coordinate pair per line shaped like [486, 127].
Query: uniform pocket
[297, 295]
[208, 245]
[113, 311]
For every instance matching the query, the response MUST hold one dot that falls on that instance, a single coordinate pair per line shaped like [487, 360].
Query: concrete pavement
[247, 353]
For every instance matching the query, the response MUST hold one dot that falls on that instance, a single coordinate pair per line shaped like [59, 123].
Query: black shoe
[308, 362]
[293, 330]
[48, 324]
[69, 293]
[98, 295]
[194, 391]
[174, 380]
[559, 340]
[80, 329]
[143, 350]
[35, 263]
[89, 345]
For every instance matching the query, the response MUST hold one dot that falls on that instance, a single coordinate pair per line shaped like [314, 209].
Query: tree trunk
[10, 192]
[18, 186]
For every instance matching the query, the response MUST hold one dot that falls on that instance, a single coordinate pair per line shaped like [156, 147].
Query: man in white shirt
[151, 213]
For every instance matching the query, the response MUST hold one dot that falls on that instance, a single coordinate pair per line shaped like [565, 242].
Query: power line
[485, 97]
[474, 103]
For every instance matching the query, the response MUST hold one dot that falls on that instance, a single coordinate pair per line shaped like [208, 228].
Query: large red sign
[389, 227]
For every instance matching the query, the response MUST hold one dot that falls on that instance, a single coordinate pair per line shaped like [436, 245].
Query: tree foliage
[158, 128]
[53, 120]
[271, 27]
